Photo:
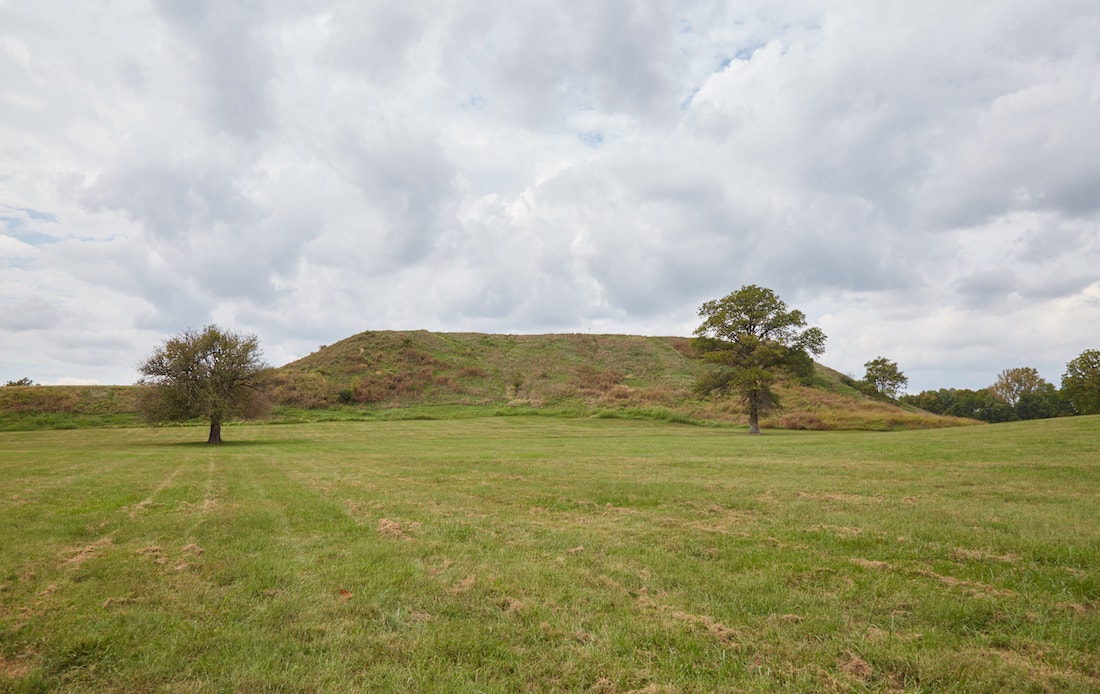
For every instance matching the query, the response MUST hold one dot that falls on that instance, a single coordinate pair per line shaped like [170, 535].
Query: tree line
[1020, 394]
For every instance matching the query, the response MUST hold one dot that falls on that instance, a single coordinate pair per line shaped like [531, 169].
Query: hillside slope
[583, 375]
[607, 375]
[420, 367]
[66, 407]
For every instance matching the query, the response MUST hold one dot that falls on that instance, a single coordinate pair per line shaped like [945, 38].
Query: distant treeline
[985, 405]
[1022, 394]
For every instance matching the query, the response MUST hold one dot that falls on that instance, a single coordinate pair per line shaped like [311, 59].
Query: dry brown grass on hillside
[816, 409]
[403, 368]
[68, 399]
[602, 375]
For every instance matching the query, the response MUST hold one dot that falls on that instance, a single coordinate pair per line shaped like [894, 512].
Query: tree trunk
[215, 432]
[754, 416]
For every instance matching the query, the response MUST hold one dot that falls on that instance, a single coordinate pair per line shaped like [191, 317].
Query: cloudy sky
[921, 179]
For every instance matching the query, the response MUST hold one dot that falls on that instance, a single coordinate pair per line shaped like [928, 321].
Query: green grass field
[505, 554]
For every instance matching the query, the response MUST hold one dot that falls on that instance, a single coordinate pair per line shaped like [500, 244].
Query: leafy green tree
[1013, 383]
[21, 382]
[885, 377]
[752, 336]
[213, 374]
[1081, 382]
[1044, 402]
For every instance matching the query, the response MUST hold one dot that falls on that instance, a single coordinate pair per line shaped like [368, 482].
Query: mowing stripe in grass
[505, 554]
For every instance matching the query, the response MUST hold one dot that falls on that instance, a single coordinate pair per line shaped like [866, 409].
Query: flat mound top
[571, 374]
[598, 374]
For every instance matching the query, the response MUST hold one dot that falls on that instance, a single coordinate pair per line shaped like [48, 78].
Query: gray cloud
[375, 41]
[29, 314]
[1046, 240]
[172, 201]
[542, 65]
[408, 185]
[232, 62]
[918, 178]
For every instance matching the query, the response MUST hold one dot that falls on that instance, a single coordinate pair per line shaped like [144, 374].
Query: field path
[149, 500]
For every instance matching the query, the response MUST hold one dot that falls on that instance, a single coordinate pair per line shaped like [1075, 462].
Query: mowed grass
[512, 554]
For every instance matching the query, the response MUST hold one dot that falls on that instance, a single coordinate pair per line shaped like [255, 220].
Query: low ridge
[605, 375]
[568, 374]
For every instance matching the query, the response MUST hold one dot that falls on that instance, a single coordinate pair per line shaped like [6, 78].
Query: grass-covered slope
[607, 375]
[420, 367]
[66, 407]
[378, 373]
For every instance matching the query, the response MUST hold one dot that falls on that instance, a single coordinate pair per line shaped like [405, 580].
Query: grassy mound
[420, 374]
[573, 374]
[419, 367]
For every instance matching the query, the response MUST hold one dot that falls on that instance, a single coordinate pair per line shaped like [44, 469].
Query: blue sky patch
[15, 225]
[593, 138]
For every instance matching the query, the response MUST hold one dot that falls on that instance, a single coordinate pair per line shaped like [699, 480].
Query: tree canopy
[212, 374]
[1012, 384]
[751, 335]
[1081, 382]
[884, 376]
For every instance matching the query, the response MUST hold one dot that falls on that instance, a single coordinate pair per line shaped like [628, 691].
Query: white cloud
[920, 179]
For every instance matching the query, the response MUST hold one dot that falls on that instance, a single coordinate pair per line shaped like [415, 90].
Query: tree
[1081, 382]
[885, 377]
[751, 335]
[21, 382]
[1044, 402]
[213, 374]
[1012, 384]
